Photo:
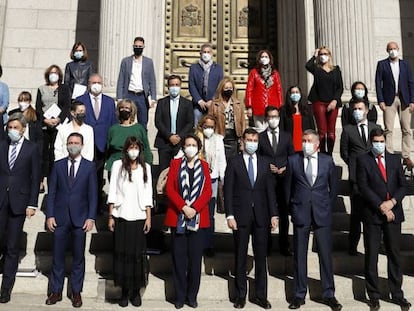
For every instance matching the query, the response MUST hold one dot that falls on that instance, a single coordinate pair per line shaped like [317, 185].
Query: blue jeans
[142, 107]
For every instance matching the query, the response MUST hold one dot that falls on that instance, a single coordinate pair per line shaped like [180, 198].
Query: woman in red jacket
[263, 89]
[188, 190]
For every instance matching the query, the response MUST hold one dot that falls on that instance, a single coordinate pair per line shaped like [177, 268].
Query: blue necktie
[174, 110]
[250, 171]
[13, 155]
[308, 171]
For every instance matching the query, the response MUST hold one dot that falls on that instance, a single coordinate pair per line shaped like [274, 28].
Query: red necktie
[383, 171]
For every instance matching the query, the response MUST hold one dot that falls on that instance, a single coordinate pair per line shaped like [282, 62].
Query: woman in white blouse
[130, 202]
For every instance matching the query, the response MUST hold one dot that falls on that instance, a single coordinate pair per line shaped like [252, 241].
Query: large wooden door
[238, 29]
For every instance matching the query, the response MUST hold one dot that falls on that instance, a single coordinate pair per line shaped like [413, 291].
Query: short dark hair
[250, 130]
[74, 47]
[270, 108]
[74, 104]
[75, 134]
[196, 138]
[377, 131]
[49, 69]
[172, 77]
[361, 100]
[139, 39]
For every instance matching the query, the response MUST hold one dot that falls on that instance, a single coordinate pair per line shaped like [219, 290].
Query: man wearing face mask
[77, 125]
[19, 190]
[174, 120]
[381, 183]
[311, 191]
[394, 84]
[276, 145]
[136, 81]
[355, 142]
[203, 80]
[251, 209]
[71, 211]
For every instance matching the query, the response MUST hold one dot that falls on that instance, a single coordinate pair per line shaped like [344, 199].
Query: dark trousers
[391, 233]
[48, 153]
[325, 121]
[323, 237]
[142, 107]
[357, 206]
[99, 160]
[60, 241]
[165, 155]
[187, 252]
[259, 241]
[11, 228]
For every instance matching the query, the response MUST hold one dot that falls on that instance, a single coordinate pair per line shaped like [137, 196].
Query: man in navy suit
[277, 145]
[101, 115]
[19, 190]
[381, 183]
[355, 142]
[136, 81]
[174, 120]
[395, 94]
[71, 212]
[311, 190]
[251, 209]
[203, 80]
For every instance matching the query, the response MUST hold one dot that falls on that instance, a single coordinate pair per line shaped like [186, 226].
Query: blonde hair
[330, 61]
[220, 88]
[133, 109]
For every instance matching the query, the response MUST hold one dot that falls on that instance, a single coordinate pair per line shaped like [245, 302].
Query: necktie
[364, 137]
[96, 107]
[13, 155]
[382, 168]
[174, 110]
[274, 141]
[250, 171]
[308, 171]
[72, 172]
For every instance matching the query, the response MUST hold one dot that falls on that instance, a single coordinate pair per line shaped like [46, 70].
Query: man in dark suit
[276, 145]
[71, 211]
[173, 120]
[251, 209]
[394, 84]
[355, 142]
[101, 115]
[311, 189]
[381, 183]
[136, 81]
[19, 190]
[203, 80]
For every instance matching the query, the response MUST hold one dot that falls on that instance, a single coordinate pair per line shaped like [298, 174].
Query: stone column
[2, 23]
[122, 21]
[346, 27]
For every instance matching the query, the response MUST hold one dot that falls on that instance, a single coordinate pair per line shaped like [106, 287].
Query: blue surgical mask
[250, 147]
[378, 148]
[174, 91]
[78, 55]
[359, 94]
[358, 115]
[295, 97]
[14, 135]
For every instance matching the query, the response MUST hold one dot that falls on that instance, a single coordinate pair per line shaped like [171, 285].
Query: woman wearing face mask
[263, 89]
[188, 190]
[79, 69]
[118, 133]
[296, 116]
[229, 113]
[130, 203]
[359, 91]
[52, 109]
[325, 95]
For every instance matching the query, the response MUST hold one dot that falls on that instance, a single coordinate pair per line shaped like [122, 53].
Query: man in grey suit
[355, 142]
[136, 81]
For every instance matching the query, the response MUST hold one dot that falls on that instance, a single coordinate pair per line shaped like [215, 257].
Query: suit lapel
[243, 168]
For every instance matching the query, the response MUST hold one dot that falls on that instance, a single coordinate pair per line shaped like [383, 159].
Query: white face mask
[23, 105]
[393, 53]
[96, 88]
[53, 77]
[324, 59]
[273, 122]
[190, 152]
[206, 57]
[358, 115]
[264, 60]
[208, 132]
[133, 154]
[359, 93]
[308, 149]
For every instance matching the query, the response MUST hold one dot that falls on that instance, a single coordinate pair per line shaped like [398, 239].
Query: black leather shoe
[192, 304]
[5, 296]
[239, 303]
[53, 298]
[136, 299]
[402, 302]
[296, 303]
[333, 304]
[178, 305]
[374, 304]
[264, 303]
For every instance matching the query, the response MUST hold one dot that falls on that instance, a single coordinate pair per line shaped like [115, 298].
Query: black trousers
[165, 155]
[99, 159]
[357, 206]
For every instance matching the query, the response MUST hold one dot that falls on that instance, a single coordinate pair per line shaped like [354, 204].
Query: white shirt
[314, 161]
[130, 199]
[382, 159]
[246, 157]
[365, 123]
[61, 140]
[77, 163]
[395, 68]
[135, 83]
[270, 135]
[215, 155]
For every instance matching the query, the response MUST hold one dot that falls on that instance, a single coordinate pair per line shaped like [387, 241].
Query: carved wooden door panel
[238, 29]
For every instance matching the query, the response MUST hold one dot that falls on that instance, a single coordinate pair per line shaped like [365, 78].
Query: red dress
[297, 132]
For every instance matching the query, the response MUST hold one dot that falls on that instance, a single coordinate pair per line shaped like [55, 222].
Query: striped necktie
[13, 155]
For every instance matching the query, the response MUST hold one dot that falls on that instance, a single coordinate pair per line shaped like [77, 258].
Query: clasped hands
[386, 209]
[189, 212]
[277, 170]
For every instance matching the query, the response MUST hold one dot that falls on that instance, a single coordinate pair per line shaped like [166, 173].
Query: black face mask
[80, 118]
[138, 51]
[227, 93]
[124, 114]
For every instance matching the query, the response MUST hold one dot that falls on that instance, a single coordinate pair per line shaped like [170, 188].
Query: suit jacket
[72, 204]
[176, 201]
[284, 148]
[247, 203]
[195, 82]
[107, 118]
[185, 120]
[148, 77]
[306, 200]
[374, 189]
[21, 183]
[385, 84]
[352, 146]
